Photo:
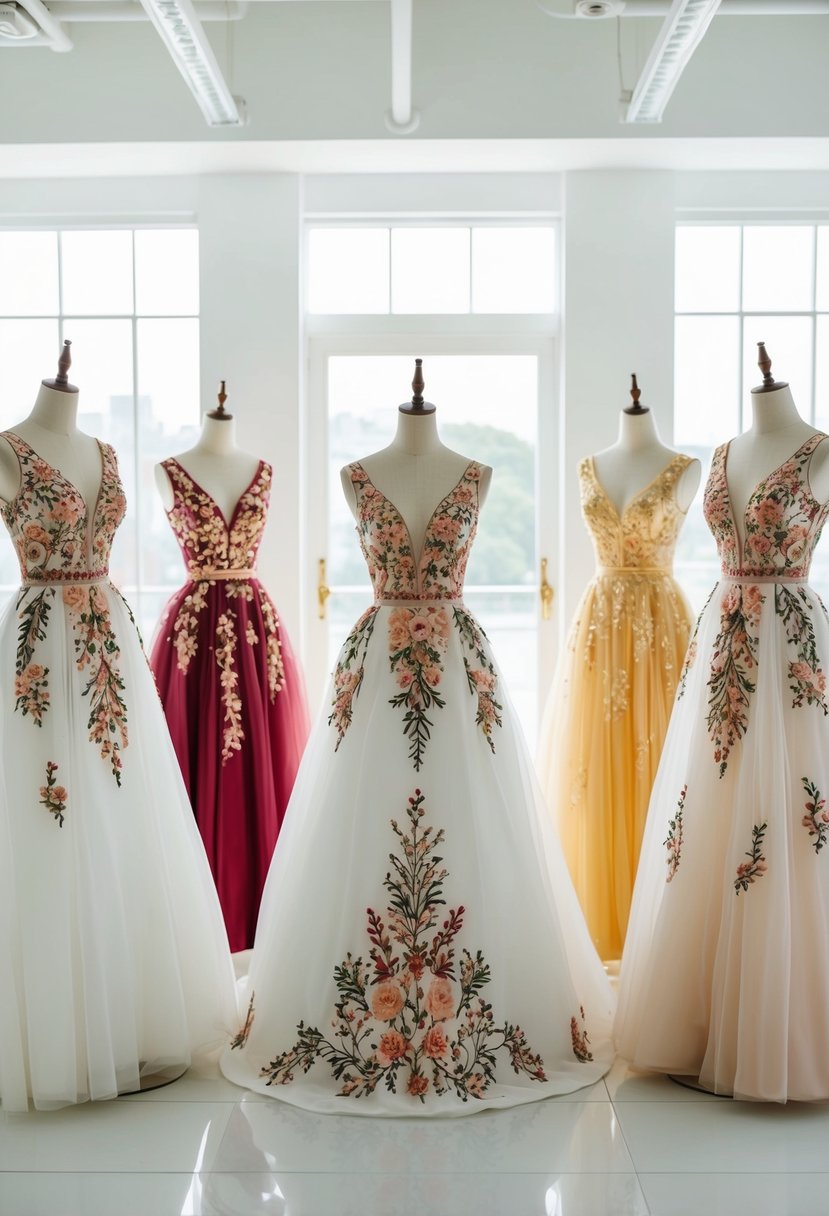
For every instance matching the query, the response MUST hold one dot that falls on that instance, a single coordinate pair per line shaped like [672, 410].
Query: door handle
[323, 590]
[546, 592]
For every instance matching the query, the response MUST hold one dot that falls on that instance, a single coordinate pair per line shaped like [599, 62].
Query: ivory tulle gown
[232, 692]
[114, 962]
[725, 973]
[420, 949]
[610, 703]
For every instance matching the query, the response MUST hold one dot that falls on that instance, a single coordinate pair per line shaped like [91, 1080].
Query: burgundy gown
[232, 692]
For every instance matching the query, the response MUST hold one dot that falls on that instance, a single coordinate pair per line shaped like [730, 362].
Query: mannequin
[221, 468]
[52, 430]
[416, 471]
[776, 431]
[638, 456]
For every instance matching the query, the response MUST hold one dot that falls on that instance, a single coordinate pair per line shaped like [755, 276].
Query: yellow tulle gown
[609, 706]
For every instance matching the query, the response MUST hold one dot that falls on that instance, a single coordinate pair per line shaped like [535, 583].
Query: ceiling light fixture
[182, 34]
[682, 31]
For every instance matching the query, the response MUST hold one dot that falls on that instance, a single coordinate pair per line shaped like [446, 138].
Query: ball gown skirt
[725, 974]
[610, 703]
[420, 949]
[114, 962]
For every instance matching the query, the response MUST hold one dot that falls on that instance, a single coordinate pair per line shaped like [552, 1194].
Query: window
[737, 285]
[129, 301]
[434, 269]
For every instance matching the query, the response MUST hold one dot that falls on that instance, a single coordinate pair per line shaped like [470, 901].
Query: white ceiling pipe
[59, 40]
[117, 10]
[401, 118]
[571, 10]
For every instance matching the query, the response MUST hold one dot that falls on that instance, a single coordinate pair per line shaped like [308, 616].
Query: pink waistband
[207, 572]
[666, 570]
[414, 603]
[761, 578]
[67, 577]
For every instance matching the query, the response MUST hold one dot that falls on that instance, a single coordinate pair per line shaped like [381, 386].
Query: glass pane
[706, 406]
[28, 274]
[822, 374]
[822, 301]
[430, 270]
[789, 344]
[97, 272]
[513, 269]
[777, 268]
[707, 268]
[167, 272]
[348, 270]
[29, 353]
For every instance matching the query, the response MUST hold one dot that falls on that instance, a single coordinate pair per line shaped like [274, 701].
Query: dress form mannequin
[215, 462]
[775, 433]
[638, 456]
[52, 430]
[416, 471]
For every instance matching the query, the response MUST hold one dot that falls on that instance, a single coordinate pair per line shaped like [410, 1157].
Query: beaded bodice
[644, 535]
[207, 540]
[782, 523]
[55, 535]
[394, 568]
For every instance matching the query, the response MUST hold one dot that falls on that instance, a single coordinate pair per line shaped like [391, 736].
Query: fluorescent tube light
[182, 34]
[682, 31]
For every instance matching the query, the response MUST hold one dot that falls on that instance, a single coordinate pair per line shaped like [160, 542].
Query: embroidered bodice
[782, 521]
[49, 521]
[387, 545]
[644, 536]
[208, 542]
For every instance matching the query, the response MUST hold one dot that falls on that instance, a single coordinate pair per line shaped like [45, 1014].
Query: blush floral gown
[420, 948]
[114, 962]
[232, 692]
[725, 973]
[609, 707]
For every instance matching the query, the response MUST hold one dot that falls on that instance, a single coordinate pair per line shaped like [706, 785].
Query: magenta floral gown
[725, 974]
[420, 948]
[113, 957]
[232, 692]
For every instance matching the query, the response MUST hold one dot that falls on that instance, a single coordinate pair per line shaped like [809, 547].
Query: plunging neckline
[214, 504]
[90, 517]
[638, 494]
[429, 521]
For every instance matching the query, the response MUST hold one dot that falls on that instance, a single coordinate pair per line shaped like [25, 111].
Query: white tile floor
[628, 1146]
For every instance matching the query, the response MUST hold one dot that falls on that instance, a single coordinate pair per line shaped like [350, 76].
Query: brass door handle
[323, 590]
[546, 592]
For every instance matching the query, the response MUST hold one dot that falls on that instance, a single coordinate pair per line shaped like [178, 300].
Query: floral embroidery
[186, 627]
[97, 651]
[347, 681]
[816, 819]
[417, 644]
[276, 669]
[53, 797]
[482, 679]
[31, 683]
[691, 653]
[241, 1038]
[645, 533]
[229, 680]
[412, 1015]
[673, 841]
[749, 871]
[579, 1039]
[733, 662]
[250, 635]
[807, 680]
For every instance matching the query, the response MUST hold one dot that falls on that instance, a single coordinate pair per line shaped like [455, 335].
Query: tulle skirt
[725, 973]
[602, 735]
[420, 949]
[114, 962]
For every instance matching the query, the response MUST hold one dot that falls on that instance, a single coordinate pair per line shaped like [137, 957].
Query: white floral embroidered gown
[725, 973]
[114, 961]
[420, 949]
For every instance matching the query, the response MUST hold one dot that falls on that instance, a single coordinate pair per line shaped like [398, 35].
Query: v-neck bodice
[644, 536]
[56, 534]
[782, 521]
[395, 571]
[207, 540]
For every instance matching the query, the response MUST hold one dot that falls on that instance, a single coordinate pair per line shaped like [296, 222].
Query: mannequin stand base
[693, 1083]
[157, 1080]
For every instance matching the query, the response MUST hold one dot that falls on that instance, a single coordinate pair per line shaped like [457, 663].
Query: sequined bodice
[644, 535]
[782, 522]
[49, 521]
[208, 542]
[394, 570]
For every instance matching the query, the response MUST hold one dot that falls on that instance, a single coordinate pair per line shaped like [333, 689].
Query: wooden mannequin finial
[636, 393]
[769, 385]
[417, 405]
[220, 412]
[61, 381]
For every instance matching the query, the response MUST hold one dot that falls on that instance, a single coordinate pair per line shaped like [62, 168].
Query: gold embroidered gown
[610, 704]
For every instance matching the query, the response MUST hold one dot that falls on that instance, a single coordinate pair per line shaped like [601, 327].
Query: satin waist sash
[202, 574]
[762, 578]
[78, 578]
